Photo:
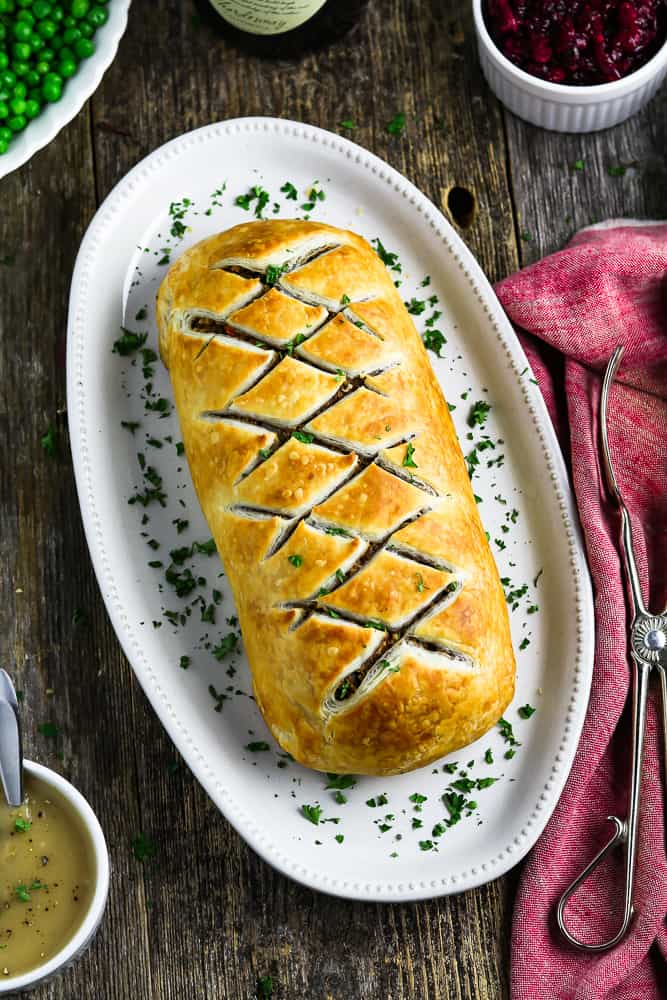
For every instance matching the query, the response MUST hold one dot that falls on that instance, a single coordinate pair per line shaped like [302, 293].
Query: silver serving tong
[648, 650]
[11, 748]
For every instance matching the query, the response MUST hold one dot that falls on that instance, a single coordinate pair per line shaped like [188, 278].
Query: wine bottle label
[267, 17]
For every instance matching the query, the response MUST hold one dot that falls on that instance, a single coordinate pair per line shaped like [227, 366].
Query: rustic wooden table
[205, 918]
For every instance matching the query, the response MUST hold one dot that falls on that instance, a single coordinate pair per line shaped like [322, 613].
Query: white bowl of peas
[53, 54]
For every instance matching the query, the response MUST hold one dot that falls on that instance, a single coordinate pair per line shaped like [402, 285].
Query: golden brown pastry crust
[326, 462]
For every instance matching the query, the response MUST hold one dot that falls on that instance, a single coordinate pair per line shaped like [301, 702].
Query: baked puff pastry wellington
[327, 465]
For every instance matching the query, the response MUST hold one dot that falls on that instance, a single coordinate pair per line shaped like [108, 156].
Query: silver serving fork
[648, 650]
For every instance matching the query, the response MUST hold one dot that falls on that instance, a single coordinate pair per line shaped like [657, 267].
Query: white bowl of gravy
[54, 879]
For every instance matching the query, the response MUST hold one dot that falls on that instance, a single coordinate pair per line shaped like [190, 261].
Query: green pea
[22, 31]
[41, 9]
[98, 16]
[80, 8]
[6, 6]
[4, 146]
[21, 68]
[42, 67]
[57, 13]
[86, 29]
[67, 68]
[71, 35]
[24, 3]
[56, 42]
[17, 106]
[32, 108]
[4, 111]
[54, 78]
[4, 60]
[32, 78]
[84, 48]
[20, 90]
[5, 133]
[46, 29]
[25, 15]
[3, 32]
[17, 123]
[68, 21]
[37, 43]
[52, 91]
[7, 79]
[22, 51]
[47, 54]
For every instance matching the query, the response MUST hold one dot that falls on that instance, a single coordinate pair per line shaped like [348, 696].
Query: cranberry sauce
[577, 41]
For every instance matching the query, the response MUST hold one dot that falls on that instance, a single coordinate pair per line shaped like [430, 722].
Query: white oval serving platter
[444, 828]
[78, 89]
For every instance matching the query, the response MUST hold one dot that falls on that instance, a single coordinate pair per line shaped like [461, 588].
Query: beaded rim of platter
[471, 273]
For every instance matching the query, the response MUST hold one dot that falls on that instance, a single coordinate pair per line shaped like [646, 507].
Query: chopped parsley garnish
[415, 306]
[526, 711]
[420, 583]
[408, 458]
[417, 823]
[23, 891]
[181, 524]
[142, 314]
[340, 798]
[455, 804]
[259, 746]
[578, 165]
[339, 838]
[290, 191]
[616, 170]
[130, 425]
[22, 825]
[265, 988]
[388, 258]
[217, 697]
[478, 414]
[532, 609]
[376, 625]
[524, 644]
[434, 341]
[340, 781]
[347, 123]
[337, 531]
[228, 644]
[417, 799]
[49, 442]
[294, 342]
[303, 437]
[312, 813]
[184, 662]
[345, 300]
[438, 830]
[426, 845]
[79, 616]
[273, 273]
[128, 342]
[485, 782]
[295, 560]
[48, 729]
[397, 124]
[143, 847]
[488, 756]
[507, 732]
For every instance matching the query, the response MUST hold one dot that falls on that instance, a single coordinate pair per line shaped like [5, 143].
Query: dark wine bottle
[283, 28]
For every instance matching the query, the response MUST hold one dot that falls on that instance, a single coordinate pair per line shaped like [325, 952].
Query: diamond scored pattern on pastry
[313, 475]
[289, 394]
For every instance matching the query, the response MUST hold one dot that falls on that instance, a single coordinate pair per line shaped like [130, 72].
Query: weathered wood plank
[567, 198]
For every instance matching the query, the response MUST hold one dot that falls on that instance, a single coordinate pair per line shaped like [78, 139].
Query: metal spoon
[11, 747]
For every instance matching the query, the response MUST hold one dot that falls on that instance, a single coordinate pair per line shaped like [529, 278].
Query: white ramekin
[562, 107]
[86, 932]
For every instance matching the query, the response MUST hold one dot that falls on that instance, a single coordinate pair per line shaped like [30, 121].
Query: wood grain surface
[205, 918]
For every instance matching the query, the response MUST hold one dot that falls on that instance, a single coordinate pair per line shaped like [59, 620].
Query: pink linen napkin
[607, 287]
